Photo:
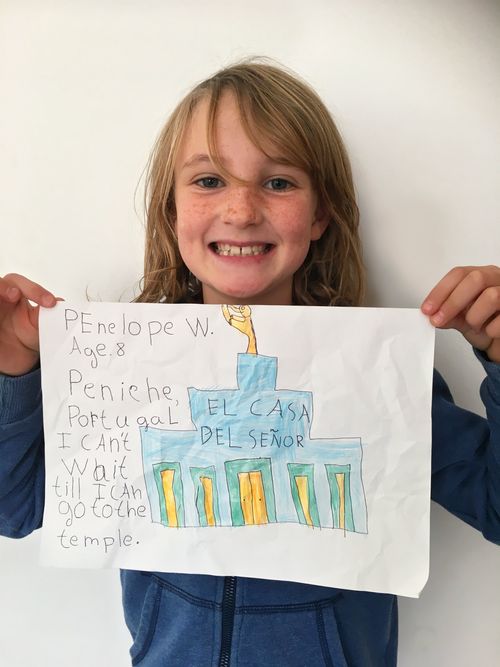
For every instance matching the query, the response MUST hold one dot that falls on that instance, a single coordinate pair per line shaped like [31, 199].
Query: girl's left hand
[468, 299]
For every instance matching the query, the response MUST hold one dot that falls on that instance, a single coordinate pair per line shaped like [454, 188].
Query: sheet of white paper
[170, 447]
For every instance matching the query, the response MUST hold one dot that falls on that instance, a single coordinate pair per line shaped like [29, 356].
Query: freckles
[296, 225]
[294, 218]
[189, 216]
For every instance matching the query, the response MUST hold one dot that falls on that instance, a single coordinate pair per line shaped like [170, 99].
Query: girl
[250, 200]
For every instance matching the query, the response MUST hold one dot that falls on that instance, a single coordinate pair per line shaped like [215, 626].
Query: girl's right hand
[19, 340]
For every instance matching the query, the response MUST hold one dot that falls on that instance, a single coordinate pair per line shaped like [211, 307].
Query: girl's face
[243, 242]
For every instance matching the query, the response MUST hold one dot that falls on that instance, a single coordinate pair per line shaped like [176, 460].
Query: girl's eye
[278, 184]
[209, 182]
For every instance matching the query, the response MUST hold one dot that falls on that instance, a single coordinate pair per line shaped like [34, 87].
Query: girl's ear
[320, 223]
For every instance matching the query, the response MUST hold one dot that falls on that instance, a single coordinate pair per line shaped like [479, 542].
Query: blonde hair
[276, 107]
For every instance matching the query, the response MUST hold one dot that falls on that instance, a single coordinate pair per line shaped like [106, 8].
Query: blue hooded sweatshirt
[181, 620]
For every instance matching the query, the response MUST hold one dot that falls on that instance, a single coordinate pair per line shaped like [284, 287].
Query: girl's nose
[242, 207]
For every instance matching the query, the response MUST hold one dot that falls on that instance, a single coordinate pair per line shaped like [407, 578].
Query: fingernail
[438, 318]
[12, 292]
[427, 306]
[48, 301]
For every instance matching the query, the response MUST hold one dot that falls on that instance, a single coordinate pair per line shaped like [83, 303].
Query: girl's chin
[242, 296]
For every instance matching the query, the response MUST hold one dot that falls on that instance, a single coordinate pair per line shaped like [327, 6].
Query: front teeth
[239, 251]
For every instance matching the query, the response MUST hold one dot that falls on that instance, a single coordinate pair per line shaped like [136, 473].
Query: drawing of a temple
[250, 458]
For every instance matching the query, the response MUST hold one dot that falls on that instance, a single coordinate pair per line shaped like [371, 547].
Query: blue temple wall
[253, 421]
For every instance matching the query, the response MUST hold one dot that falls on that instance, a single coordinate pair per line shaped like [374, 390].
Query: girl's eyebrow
[200, 158]
[195, 159]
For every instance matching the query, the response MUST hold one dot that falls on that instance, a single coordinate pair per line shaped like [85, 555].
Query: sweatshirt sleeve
[466, 454]
[22, 470]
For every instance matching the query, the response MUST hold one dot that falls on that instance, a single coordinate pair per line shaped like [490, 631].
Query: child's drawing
[250, 459]
[240, 317]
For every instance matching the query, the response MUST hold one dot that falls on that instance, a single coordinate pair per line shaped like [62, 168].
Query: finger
[493, 350]
[493, 329]
[442, 290]
[465, 293]
[484, 309]
[9, 292]
[30, 290]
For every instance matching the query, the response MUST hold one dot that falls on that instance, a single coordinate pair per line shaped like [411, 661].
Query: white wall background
[413, 85]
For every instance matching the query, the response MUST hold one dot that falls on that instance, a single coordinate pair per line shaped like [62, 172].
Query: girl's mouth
[229, 250]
